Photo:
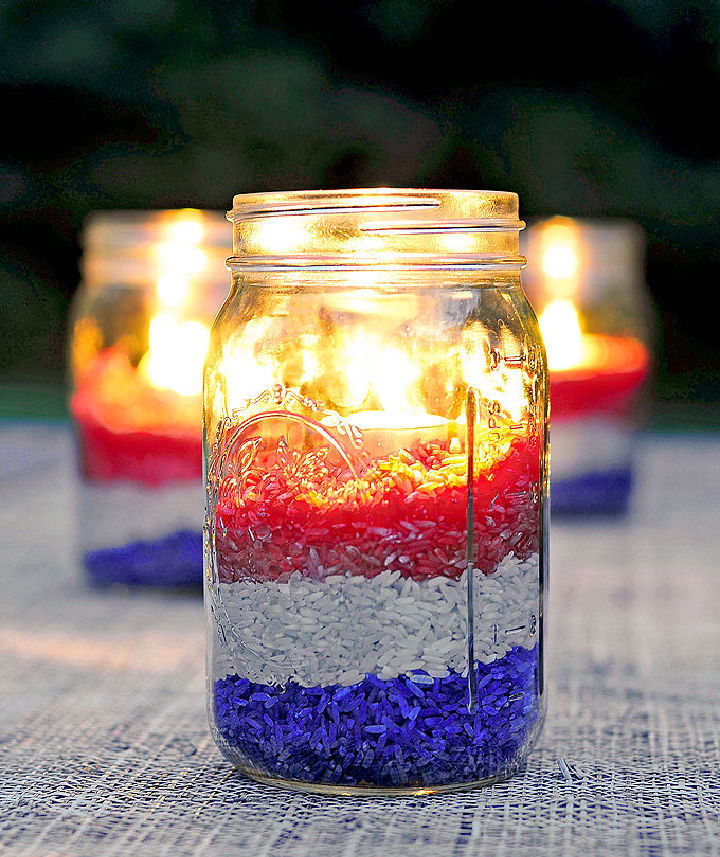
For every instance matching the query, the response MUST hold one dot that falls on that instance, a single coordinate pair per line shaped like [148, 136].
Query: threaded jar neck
[377, 227]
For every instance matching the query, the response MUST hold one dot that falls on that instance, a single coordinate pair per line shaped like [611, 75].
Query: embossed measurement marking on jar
[531, 628]
[495, 408]
[497, 357]
[516, 630]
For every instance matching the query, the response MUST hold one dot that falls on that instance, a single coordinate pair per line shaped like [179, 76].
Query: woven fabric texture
[105, 749]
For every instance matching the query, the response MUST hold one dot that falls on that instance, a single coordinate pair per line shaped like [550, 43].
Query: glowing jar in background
[152, 283]
[585, 279]
[375, 424]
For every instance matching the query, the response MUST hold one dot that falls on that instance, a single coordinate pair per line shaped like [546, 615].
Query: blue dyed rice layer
[412, 730]
[175, 560]
[598, 493]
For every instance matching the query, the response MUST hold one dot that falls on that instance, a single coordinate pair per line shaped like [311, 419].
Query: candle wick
[470, 410]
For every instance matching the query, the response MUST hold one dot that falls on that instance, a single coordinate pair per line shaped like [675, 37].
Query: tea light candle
[384, 431]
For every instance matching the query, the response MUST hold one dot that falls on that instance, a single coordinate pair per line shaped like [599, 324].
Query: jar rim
[502, 204]
[376, 227]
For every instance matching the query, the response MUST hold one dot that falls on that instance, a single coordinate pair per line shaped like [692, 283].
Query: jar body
[375, 550]
[139, 334]
[585, 279]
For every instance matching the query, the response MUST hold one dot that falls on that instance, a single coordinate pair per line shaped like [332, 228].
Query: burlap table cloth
[105, 748]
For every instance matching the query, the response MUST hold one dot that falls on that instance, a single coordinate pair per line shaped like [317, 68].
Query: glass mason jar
[152, 283]
[376, 469]
[585, 279]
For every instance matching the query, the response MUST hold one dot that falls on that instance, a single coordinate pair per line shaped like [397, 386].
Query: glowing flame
[392, 377]
[560, 250]
[371, 376]
[372, 369]
[177, 347]
[560, 253]
[179, 259]
[174, 360]
[562, 333]
[560, 261]
[173, 289]
[187, 229]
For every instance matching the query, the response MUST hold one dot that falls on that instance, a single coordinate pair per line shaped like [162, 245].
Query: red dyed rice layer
[407, 512]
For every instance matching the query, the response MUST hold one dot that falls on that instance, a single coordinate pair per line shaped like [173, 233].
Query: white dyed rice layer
[120, 513]
[337, 630]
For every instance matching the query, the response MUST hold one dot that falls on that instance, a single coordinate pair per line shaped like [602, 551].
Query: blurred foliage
[583, 107]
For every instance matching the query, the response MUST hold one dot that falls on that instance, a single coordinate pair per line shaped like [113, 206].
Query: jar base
[333, 790]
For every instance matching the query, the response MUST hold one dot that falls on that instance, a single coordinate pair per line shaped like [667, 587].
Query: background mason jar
[586, 281]
[152, 283]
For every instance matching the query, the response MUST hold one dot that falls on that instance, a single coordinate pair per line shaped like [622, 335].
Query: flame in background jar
[561, 260]
[176, 355]
[179, 259]
[177, 346]
[562, 334]
[561, 257]
[564, 262]
[568, 347]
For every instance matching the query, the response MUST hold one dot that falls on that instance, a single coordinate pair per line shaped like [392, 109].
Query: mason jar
[152, 283]
[586, 281]
[375, 444]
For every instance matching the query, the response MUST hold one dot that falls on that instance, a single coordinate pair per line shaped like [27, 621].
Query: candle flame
[174, 360]
[372, 370]
[562, 334]
[179, 259]
[187, 229]
[560, 253]
[173, 289]
[560, 261]
[177, 346]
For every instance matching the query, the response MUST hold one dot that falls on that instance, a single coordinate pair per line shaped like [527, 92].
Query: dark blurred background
[583, 107]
